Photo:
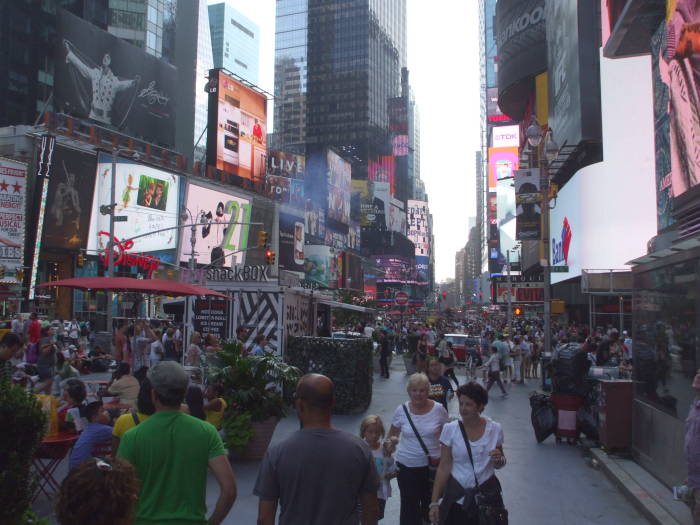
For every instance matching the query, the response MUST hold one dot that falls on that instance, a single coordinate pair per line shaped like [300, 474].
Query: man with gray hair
[171, 451]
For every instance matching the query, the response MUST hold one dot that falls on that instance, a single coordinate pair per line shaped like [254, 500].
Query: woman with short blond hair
[419, 423]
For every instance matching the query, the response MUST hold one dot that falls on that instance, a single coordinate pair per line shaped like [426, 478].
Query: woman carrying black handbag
[471, 450]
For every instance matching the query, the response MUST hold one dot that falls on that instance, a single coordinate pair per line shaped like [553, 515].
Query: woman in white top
[457, 473]
[428, 417]
[194, 351]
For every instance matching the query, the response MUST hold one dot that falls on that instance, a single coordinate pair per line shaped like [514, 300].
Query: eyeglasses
[103, 465]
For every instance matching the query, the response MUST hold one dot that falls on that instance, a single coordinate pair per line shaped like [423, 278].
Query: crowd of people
[139, 472]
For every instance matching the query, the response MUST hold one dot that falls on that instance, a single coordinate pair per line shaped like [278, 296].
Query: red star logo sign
[3, 185]
[17, 187]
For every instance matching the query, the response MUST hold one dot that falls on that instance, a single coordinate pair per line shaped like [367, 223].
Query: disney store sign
[122, 257]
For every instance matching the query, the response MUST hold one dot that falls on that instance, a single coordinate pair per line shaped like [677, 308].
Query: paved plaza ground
[543, 484]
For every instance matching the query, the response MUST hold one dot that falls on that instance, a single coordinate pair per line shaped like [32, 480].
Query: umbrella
[129, 284]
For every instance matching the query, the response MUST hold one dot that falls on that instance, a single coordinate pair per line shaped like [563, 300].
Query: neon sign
[122, 257]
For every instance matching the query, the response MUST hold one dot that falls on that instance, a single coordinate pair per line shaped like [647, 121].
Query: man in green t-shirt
[171, 452]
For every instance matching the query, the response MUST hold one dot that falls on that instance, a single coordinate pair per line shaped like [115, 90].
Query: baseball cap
[167, 376]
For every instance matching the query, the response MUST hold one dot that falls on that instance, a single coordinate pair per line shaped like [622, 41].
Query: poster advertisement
[291, 245]
[371, 203]
[397, 217]
[321, 265]
[396, 269]
[210, 317]
[278, 188]
[146, 196]
[528, 201]
[505, 214]
[354, 235]
[69, 199]
[13, 191]
[105, 79]
[218, 238]
[417, 220]
[338, 171]
[383, 170]
[315, 220]
[502, 164]
[237, 129]
[288, 165]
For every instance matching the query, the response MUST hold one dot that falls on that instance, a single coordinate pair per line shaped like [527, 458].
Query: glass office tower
[235, 41]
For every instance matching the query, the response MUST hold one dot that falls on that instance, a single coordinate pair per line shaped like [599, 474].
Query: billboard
[502, 164]
[103, 78]
[237, 128]
[69, 200]
[395, 268]
[321, 265]
[417, 222]
[528, 201]
[284, 181]
[397, 217]
[291, 245]
[338, 173]
[677, 105]
[211, 316]
[505, 213]
[315, 220]
[505, 136]
[383, 171]
[573, 54]
[371, 203]
[13, 191]
[146, 196]
[217, 236]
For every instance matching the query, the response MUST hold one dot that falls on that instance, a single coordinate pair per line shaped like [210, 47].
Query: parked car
[5, 327]
[463, 343]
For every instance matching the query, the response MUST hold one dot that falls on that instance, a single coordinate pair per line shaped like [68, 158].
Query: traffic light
[262, 239]
[270, 257]
[80, 262]
[518, 311]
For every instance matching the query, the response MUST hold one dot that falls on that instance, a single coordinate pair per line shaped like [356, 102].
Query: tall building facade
[147, 24]
[235, 42]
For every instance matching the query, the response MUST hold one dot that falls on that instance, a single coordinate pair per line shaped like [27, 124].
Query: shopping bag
[544, 420]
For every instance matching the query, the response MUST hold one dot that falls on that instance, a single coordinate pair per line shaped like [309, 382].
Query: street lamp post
[535, 134]
[510, 298]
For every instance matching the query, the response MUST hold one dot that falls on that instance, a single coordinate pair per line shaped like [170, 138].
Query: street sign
[401, 298]
[559, 269]
[121, 218]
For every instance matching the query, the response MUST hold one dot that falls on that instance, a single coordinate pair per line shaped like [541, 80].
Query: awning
[346, 306]
[129, 284]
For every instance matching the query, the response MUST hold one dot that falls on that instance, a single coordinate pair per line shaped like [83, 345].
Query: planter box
[347, 362]
[261, 440]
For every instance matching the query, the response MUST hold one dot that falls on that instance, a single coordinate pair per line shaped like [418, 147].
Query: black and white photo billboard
[105, 79]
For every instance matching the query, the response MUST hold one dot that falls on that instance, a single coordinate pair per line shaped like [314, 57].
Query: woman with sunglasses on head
[470, 449]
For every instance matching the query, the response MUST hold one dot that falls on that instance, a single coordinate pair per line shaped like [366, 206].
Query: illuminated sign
[505, 137]
[121, 257]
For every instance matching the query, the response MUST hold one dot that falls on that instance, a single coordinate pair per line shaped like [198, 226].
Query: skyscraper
[235, 41]
[143, 23]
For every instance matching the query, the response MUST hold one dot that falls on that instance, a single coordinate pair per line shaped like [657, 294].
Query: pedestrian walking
[171, 452]
[317, 475]
[372, 431]
[440, 387]
[471, 450]
[384, 353]
[493, 365]
[422, 354]
[418, 423]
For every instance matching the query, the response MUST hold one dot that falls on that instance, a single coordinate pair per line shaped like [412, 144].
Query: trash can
[615, 399]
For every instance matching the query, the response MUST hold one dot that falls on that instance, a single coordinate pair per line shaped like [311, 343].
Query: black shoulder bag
[432, 469]
[489, 504]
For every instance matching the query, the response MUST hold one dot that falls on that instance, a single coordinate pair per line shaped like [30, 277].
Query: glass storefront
[666, 319]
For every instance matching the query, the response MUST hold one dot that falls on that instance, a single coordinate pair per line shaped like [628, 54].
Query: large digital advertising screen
[321, 265]
[147, 198]
[528, 200]
[284, 181]
[218, 237]
[372, 202]
[69, 199]
[675, 57]
[338, 173]
[417, 221]
[502, 164]
[13, 190]
[237, 130]
[105, 79]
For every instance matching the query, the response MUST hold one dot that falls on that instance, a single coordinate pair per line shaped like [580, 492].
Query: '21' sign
[239, 213]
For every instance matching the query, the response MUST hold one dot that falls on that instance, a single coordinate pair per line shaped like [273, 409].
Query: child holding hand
[372, 431]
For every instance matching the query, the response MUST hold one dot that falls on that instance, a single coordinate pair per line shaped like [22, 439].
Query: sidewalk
[651, 497]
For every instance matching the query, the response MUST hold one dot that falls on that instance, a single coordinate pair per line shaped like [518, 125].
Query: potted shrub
[253, 388]
[21, 413]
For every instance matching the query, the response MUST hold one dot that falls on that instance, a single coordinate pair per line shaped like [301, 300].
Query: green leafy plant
[24, 423]
[253, 387]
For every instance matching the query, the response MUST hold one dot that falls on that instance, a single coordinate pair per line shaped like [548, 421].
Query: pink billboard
[502, 164]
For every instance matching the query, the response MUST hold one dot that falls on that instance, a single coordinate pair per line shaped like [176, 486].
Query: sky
[443, 60]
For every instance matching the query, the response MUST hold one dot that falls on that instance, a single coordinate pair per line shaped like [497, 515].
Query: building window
[240, 63]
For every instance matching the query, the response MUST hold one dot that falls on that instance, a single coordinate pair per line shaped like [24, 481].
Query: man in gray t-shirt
[319, 474]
